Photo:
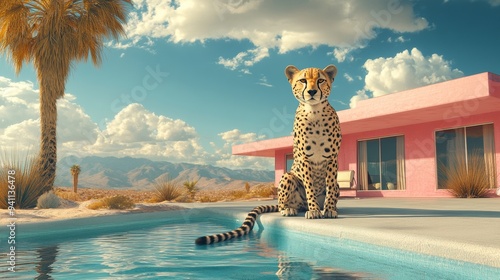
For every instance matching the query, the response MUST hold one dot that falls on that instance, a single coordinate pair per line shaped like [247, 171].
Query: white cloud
[263, 82]
[406, 70]
[226, 159]
[235, 136]
[20, 118]
[137, 132]
[360, 95]
[281, 25]
[244, 59]
[348, 77]
[341, 54]
[399, 39]
[136, 124]
[134, 131]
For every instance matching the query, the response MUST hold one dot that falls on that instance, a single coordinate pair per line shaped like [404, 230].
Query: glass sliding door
[381, 164]
[461, 145]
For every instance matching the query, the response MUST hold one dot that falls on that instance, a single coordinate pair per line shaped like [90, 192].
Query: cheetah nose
[312, 92]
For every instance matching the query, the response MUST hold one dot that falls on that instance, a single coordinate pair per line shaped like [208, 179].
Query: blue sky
[192, 78]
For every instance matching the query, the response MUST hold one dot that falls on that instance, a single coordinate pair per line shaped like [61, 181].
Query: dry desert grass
[261, 191]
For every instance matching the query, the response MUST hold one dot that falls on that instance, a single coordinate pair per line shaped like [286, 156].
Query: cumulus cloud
[360, 95]
[136, 124]
[138, 132]
[134, 131]
[281, 25]
[20, 118]
[406, 70]
[234, 137]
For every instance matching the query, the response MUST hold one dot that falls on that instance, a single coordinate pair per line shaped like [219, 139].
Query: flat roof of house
[471, 95]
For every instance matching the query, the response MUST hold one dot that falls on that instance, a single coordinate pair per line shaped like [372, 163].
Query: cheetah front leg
[289, 199]
[332, 191]
[313, 209]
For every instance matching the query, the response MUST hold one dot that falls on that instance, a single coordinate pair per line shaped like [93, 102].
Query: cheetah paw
[314, 214]
[330, 214]
[289, 212]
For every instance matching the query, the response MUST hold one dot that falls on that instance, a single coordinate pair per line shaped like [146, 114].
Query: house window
[466, 144]
[381, 164]
[289, 162]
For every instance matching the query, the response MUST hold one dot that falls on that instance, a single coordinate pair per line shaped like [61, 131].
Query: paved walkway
[461, 229]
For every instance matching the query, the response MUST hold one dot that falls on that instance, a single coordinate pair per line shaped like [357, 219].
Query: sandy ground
[76, 206]
[71, 209]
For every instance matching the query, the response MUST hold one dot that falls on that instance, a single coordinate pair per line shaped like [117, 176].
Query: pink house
[397, 144]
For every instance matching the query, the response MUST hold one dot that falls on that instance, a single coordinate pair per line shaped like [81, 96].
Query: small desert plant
[264, 190]
[48, 200]
[166, 190]
[68, 195]
[247, 187]
[120, 202]
[238, 194]
[466, 178]
[20, 175]
[206, 197]
[191, 188]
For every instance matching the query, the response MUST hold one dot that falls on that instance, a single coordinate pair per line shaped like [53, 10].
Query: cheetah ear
[331, 71]
[290, 70]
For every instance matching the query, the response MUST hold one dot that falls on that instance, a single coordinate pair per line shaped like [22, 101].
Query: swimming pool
[161, 245]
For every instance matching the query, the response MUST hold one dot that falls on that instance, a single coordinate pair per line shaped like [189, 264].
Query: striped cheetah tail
[244, 229]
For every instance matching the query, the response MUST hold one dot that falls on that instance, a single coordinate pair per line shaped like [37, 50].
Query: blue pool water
[161, 246]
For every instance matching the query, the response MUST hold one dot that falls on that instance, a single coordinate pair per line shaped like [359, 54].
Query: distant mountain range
[140, 174]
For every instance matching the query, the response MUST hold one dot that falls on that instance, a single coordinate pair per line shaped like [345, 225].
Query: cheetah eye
[303, 81]
[321, 80]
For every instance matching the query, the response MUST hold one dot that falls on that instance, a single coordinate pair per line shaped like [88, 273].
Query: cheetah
[311, 184]
[312, 180]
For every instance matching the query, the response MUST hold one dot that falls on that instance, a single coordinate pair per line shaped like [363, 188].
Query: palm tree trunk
[48, 145]
[75, 183]
[52, 74]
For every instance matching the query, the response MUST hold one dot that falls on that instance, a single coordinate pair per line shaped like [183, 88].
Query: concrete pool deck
[461, 229]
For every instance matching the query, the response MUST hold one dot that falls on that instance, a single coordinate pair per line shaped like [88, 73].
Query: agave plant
[24, 180]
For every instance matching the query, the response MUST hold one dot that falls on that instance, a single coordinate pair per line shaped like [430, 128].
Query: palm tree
[53, 34]
[75, 171]
[191, 187]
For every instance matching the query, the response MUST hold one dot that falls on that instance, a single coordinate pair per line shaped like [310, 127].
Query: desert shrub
[68, 195]
[238, 194]
[119, 202]
[48, 200]
[264, 190]
[247, 187]
[466, 178]
[207, 197]
[20, 174]
[166, 190]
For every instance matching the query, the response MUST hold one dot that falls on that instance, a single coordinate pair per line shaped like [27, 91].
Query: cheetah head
[311, 85]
